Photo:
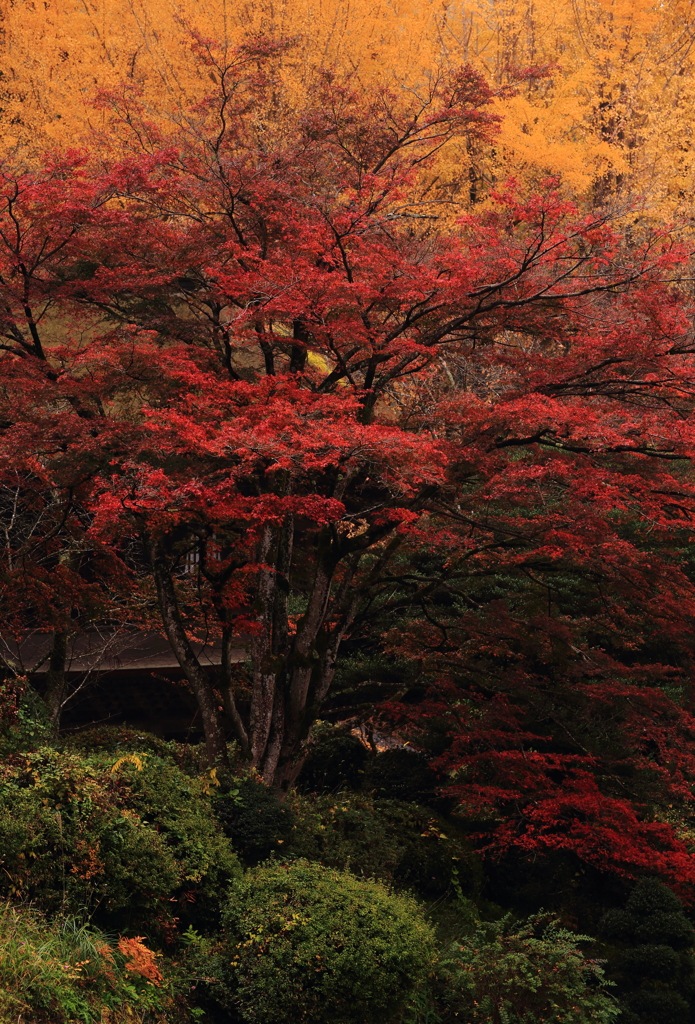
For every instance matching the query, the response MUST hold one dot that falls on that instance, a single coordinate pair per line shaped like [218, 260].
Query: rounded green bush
[398, 843]
[648, 949]
[120, 739]
[336, 762]
[307, 943]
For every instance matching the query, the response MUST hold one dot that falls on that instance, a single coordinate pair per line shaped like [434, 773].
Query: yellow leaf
[129, 758]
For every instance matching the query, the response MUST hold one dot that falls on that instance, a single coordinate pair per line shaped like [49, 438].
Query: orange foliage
[140, 959]
[615, 119]
[87, 861]
[57, 54]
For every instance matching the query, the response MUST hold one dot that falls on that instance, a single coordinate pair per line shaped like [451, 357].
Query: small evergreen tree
[650, 956]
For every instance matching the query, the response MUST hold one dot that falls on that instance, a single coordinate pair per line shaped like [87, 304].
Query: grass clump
[63, 972]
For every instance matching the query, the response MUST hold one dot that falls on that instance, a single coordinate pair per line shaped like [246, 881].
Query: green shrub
[336, 762]
[400, 774]
[253, 818]
[120, 739]
[65, 972]
[305, 943]
[506, 975]
[385, 839]
[132, 838]
[652, 914]
[24, 723]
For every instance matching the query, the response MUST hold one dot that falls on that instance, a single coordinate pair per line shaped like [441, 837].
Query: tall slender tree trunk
[215, 740]
[55, 679]
[228, 697]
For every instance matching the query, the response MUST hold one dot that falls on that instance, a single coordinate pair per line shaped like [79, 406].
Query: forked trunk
[291, 673]
[291, 694]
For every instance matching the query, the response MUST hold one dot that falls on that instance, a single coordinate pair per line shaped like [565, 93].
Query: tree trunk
[215, 741]
[300, 669]
[55, 680]
[292, 674]
[228, 698]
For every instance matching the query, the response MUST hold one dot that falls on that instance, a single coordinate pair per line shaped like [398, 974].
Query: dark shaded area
[254, 819]
[336, 761]
[401, 774]
[648, 946]
[340, 761]
[161, 704]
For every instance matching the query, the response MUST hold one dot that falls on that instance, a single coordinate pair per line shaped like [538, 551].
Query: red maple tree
[54, 434]
[305, 356]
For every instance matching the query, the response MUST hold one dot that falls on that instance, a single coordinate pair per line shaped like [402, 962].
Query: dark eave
[107, 651]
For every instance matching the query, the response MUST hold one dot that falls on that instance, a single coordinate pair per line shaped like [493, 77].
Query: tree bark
[228, 699]
[292, 674]
[306, 695]
[55, 679]
[215, 741]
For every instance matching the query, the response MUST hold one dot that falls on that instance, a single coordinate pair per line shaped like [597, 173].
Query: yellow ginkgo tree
[614, 119]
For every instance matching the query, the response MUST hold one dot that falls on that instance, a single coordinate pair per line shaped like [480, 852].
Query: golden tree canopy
[615, 118]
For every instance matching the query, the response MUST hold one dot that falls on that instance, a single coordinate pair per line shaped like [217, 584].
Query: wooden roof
[106, 651]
